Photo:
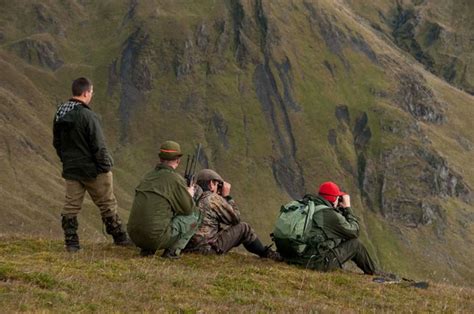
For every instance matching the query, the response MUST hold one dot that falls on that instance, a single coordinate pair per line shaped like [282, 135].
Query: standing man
[87, 165]
[221, 228]
[333, 237]
[163, 214]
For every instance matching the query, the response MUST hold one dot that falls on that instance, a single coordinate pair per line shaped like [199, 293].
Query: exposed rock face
[414, 32]
[383, 181]
[414, 97]
[221, 129]
[276, 106]
[430, 177]
[38, 52]
[134, 75]
[335, 38]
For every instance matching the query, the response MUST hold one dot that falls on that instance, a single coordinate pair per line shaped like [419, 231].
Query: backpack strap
[319, 207]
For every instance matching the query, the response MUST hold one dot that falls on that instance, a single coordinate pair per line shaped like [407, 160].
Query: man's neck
[80, 99]
[170, 164]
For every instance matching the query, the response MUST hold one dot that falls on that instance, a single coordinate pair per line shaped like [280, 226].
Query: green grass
[31, 187]
[38, 275]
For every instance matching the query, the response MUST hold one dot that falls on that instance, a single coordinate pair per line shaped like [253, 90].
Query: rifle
[191, 163]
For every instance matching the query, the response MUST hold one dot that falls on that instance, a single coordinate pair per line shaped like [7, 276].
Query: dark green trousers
[352, 250]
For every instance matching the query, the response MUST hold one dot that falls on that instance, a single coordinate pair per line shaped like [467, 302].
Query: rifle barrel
[186, 171]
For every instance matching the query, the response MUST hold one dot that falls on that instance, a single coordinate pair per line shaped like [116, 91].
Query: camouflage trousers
[100, 190]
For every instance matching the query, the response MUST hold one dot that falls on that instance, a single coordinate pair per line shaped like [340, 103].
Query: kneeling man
[163, 214]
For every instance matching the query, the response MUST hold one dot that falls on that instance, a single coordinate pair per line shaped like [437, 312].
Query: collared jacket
[79, 142]
[160, 196]
[218, 214]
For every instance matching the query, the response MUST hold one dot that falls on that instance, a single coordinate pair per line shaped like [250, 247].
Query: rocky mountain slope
[283, 95]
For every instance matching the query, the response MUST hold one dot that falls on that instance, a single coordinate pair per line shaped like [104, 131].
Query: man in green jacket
[87, 164]
[163, 214]
[333, 238]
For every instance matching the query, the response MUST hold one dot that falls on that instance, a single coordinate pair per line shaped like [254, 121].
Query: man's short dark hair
[81, 85]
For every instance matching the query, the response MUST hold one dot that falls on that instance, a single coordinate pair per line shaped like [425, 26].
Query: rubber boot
[271, 254]
[71, 239]
[113, 226]
[257, 247]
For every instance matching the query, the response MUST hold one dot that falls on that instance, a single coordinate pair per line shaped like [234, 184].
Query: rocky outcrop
[412, 180]
[276, 106]
[135, 77]
[38, 52]
[416, 98]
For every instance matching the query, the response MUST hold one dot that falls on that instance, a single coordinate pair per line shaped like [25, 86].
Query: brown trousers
[234, 236]
[100, 190]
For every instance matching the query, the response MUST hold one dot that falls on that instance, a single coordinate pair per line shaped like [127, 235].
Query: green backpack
[292, 227]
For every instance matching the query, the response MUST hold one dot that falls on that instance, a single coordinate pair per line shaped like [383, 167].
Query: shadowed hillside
[283, 95]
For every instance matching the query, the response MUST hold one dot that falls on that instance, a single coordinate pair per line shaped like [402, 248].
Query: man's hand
[226, 189]
[191, 190]
[346, 201]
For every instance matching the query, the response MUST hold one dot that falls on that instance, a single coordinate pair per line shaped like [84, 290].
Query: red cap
[330, 191]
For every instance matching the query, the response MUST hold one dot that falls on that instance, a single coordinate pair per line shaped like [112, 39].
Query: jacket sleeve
[97, 145]
[57, 140]
[182, 203]
[226, 210]
[344, 227]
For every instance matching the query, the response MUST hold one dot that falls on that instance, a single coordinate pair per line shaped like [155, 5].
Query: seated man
[163, 214]
[221, 228]
[332, 239]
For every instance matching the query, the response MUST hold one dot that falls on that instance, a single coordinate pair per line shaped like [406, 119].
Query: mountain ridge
[283, 96]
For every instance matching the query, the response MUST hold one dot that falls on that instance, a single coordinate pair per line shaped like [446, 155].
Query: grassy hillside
[37, 275]
[282, 95]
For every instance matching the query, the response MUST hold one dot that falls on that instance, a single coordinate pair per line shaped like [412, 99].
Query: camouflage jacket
[218, 213]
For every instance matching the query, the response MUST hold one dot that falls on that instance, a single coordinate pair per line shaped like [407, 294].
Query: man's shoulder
[86, 112]
[211, 200]
[211, 196]
[163, 175]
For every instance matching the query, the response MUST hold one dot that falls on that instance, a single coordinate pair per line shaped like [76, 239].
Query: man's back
[79, 142]
[160, 195]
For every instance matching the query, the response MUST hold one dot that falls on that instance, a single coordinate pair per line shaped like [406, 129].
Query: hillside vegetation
[283, 95]
[37, 275]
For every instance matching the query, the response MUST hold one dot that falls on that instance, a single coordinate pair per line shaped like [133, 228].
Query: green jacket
[79, 142]
[330, 227]
[160, 196]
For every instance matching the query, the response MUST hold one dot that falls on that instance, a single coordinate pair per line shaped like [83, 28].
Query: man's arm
[226, 209]
[343, 226]
[182, 203]
[57, 140]
[97, 144]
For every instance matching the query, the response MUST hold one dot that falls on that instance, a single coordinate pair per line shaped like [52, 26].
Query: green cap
[170, 150]
[208, 175]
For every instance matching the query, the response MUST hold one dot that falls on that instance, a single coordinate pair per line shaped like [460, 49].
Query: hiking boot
[113, 226]
[147, 252]
[171, 254]
[71, 239]
[273, 255]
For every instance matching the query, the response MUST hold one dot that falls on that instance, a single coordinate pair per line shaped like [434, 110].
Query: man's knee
[248, 234]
